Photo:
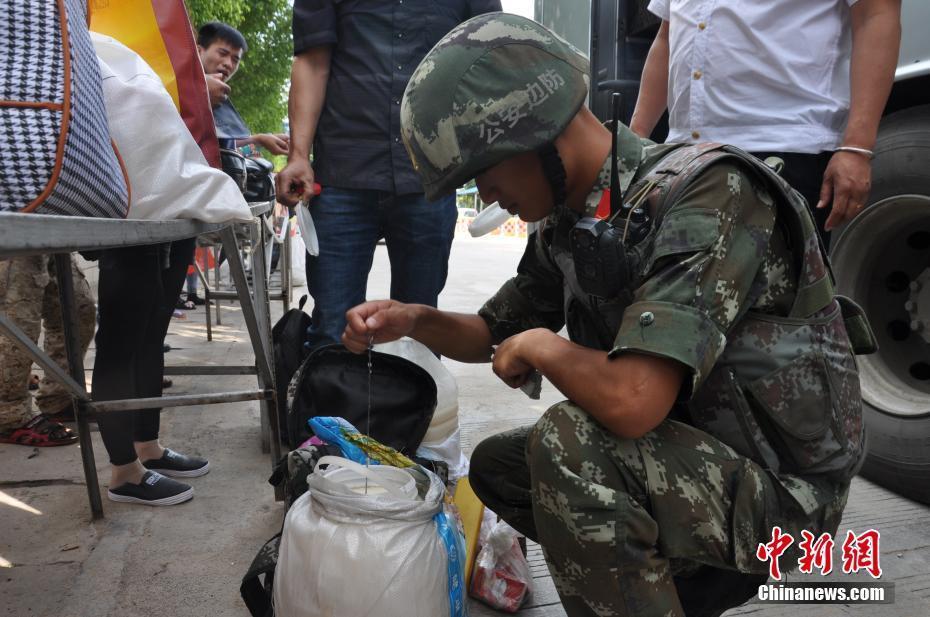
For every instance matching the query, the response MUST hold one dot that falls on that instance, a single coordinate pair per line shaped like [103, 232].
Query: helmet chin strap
[555, 173]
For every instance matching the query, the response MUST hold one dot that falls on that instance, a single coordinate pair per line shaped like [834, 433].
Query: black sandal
[40, 432]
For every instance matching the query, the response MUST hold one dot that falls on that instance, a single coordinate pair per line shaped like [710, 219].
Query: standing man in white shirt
[804, 80]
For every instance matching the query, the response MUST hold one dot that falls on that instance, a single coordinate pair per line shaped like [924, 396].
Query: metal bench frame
[36, 234]
[214, 292]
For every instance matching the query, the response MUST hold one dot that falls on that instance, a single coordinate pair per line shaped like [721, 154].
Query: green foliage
[259, 86]
[228, 11]
[279, 160]
[470, 200]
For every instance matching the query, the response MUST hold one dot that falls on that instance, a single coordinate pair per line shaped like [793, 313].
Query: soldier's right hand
[379, 321]
[295, 182]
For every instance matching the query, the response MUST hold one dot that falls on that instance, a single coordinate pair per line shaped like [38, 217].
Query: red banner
[160, 31]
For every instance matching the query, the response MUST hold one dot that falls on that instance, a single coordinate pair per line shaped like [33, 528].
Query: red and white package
[502, 577]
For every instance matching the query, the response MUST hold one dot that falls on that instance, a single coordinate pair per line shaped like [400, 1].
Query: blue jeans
[349, 223]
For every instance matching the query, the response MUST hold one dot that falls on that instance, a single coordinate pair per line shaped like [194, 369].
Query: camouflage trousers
[29, 297]
[664, 525]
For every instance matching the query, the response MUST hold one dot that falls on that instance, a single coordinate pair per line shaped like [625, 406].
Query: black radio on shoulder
[604, 265]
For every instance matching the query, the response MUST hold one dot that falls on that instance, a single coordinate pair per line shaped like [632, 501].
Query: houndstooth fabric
[31, 67]
[91, 182]
[28, 141]
[31, 70]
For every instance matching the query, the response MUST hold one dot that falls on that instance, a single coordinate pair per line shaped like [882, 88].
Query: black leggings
[138, 289]
[804, 172]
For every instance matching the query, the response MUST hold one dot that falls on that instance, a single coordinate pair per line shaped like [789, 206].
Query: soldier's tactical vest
[785, 391]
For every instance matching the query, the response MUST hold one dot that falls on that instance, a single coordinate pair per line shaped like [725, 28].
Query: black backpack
[288, 336]
[333, 381]
[258, 583]
[259, 180]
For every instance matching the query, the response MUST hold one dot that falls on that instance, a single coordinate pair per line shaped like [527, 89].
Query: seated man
[221, 49]
[706, 343]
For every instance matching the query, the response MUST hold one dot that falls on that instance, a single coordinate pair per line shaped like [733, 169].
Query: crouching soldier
[712, 391]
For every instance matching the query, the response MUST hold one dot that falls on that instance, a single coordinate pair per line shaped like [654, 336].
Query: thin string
[371, 341]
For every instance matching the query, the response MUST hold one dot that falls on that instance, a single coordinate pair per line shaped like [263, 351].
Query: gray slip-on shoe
[154, 490]
[177, 465]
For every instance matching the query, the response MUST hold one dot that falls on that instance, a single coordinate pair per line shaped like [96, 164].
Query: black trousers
[805, 173]
[138, 289]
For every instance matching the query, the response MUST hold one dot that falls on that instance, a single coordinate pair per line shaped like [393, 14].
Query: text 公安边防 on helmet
[496, 86]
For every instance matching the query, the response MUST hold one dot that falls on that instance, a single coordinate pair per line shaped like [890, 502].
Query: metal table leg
[206, 298]
[270, 437]
[76, 368]
[237, 272]
[268, 406]
[286, 257]
[216, 282]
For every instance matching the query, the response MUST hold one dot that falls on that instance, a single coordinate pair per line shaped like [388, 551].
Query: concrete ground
[188, 560]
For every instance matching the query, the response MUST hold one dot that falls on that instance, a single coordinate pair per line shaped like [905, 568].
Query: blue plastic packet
[455, 549]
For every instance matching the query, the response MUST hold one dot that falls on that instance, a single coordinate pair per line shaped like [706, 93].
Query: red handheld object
[299, 189]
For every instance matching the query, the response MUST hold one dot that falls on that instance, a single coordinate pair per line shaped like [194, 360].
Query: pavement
[188, 560]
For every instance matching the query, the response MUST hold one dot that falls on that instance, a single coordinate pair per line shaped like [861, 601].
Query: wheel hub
[918, 305]
[882, 261]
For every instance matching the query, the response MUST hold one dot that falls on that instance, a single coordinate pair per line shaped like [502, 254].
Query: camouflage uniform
[29, 295]
[730, 283]
[661, 525]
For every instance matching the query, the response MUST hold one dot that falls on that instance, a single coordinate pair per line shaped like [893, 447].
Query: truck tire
[882, 260]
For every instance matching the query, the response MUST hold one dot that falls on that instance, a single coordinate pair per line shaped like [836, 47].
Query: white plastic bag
[169, 175]
[502, 578]
[307, 229]
[345, 553]
[441, 441]
[450, 452]
[446, 417]
[298, 256]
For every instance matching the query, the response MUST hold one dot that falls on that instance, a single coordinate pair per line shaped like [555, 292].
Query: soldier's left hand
[846, 183]
[512, 360]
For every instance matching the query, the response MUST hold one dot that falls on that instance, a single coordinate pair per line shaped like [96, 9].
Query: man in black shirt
[352, 62]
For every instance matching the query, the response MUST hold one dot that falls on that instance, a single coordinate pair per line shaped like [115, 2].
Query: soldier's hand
[379, 321]
[294, 182]
[512, 360]
[846, 182]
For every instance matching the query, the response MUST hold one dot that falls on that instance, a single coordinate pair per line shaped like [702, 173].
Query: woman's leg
[150, 366]
[132, 299]
[127, 292]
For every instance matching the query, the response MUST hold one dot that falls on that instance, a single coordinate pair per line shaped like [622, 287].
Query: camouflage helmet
[495, 86]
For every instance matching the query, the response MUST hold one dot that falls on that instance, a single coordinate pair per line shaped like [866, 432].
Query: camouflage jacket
[717, 292]
[709, 251]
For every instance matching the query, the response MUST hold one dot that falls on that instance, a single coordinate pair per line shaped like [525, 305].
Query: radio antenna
[614, 176]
